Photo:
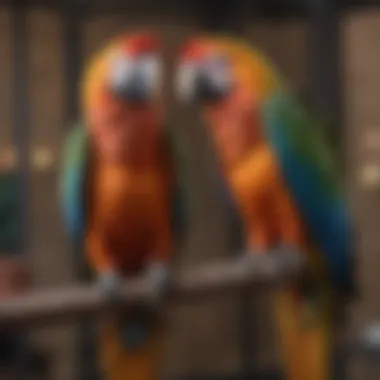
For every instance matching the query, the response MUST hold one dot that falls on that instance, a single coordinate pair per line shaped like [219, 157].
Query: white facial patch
[150, 68]
[136, 77]
[215, 70]
[121, 70]
[219, 73]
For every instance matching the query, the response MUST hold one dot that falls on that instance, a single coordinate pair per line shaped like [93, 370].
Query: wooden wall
[362, 86]
[204, 336]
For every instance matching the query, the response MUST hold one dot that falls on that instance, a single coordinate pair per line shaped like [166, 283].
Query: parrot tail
[130, 350]
[305, 336]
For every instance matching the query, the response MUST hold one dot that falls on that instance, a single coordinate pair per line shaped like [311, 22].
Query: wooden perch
[47, 306]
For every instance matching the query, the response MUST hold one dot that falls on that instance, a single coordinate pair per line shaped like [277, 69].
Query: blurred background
[327, 49]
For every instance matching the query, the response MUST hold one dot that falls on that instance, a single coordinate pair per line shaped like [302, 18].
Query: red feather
[141, 43]
[193, 50]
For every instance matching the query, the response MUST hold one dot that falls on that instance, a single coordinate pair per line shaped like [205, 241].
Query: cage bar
[325, 61]
[21, 139]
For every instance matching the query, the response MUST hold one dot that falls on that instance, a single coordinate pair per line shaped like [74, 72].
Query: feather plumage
[306, 160]
[74, 174]
[75, 162]
[313, 180]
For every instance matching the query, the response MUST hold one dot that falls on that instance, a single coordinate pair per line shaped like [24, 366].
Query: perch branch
[49, 306]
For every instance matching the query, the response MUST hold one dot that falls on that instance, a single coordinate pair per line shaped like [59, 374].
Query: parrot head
[121, 96]
[229, 81]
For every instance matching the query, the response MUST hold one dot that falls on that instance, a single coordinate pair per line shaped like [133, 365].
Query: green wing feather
[73, 174]
[313, 179]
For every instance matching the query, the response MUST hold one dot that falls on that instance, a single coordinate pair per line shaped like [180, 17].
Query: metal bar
[42, 307]
[216, 16]
[325, 60]
[73, 16]
[262, 6]
[228, 17]
[275, 374]
[20, 115]
[325, 54]
[21, 138]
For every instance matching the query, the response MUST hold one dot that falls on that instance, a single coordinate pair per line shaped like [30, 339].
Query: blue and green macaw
[283, 181]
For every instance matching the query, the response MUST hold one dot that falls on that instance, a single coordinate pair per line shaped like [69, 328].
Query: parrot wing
[311, 175]
[75, 162]
[73, 179]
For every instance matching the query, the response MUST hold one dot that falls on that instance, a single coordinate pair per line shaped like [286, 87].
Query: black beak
[206, 91]
[135, 90]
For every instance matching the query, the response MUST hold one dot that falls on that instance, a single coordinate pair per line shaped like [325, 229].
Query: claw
[264, 264]
[289, 258]
[275, 262]
[110, 284]
[159, 279]
[370, 339]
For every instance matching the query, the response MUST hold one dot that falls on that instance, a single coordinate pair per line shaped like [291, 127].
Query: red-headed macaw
[120, 193]
[284, 182]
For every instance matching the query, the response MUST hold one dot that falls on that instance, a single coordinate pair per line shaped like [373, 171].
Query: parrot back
[313, 180]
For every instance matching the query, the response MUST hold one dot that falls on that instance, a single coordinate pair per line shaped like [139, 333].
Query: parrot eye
[135, 80]
[207, 81]
[218, 71]
[122, 67]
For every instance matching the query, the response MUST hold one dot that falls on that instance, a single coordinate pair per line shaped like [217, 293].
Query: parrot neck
[145, 158]
[125, 136]
[231, 164]
[236, 129]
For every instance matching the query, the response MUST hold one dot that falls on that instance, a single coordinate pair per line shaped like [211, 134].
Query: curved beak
[208, 91]
[134, 88]
[130, 82]
[204, 83]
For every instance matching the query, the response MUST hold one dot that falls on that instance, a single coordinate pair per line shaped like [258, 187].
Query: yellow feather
[253, 70]
[96, 71]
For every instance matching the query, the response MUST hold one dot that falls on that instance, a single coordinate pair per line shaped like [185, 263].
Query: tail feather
[305, 347]
[138, 363]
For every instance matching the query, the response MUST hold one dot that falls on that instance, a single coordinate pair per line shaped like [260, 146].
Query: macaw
[281, 177]
[122, 198]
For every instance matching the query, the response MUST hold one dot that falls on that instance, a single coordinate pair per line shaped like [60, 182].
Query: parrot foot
[289, 259]
[261, 264]
[370, 340]
[111, 285]
[276, 263]
[159, 281]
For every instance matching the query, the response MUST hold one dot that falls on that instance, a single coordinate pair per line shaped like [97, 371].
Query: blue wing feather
[72, 181]
[321, 204]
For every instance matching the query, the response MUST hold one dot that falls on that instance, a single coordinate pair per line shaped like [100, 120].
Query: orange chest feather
[255, 175]
[264, 201]
[124, 204]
